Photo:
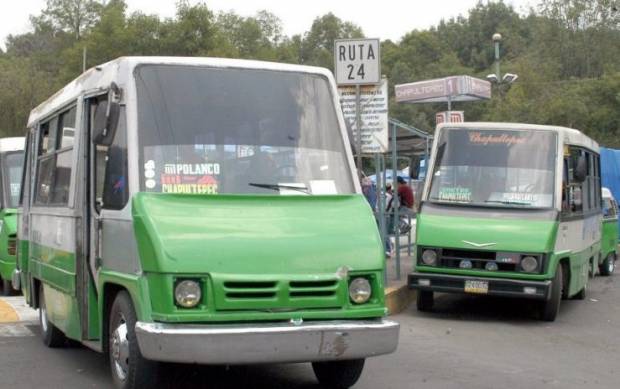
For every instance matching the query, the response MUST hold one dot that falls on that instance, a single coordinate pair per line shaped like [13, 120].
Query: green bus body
[278, 275]
[480, 247]
[609, 241]
[7, 248]
[11, 161]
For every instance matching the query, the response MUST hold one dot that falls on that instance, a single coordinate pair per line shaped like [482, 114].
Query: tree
[318, 44]
[73, 16]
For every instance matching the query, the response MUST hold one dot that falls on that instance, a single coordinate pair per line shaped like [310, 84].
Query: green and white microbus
[509, 210]
[609, 240]
[11, 161]
[200, 210]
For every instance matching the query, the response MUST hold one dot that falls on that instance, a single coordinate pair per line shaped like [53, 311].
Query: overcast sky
[385, 19]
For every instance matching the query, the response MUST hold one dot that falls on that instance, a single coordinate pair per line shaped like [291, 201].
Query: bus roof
[11, 144]
[119, 70]
[568, 135]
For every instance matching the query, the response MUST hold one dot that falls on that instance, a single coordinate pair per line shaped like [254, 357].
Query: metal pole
[84, 60]
[497, 61]
[379, 162]
[395, 200]
[358, 126]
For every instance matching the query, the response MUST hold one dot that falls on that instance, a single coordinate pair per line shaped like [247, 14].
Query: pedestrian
[405, 194]
[369, 191]
[406, 201]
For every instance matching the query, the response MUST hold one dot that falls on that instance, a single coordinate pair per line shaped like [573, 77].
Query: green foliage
[566, 53]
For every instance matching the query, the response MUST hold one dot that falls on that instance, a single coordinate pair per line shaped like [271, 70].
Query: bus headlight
[529, 264]
[187, 293]
[429, 257]
[359, 290]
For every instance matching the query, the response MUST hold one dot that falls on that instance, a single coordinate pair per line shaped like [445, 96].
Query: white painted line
[14, 330]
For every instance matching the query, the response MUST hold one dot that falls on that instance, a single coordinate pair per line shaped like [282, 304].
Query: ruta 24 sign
[357, 61]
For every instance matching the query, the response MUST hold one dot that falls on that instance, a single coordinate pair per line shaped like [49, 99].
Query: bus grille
[279, 294]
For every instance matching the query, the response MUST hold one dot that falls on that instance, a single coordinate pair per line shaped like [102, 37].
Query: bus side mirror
[106, 117]
[414, 168]
[581, 170]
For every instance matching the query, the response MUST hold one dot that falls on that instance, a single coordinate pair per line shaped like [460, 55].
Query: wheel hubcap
[44, 324]
[120, 350]
[611, 265]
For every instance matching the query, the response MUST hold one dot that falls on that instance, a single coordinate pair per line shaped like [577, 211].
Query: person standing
[405, 194]
[406, 201]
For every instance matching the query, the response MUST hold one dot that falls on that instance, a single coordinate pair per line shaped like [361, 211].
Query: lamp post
[497, 78]
[497, 37]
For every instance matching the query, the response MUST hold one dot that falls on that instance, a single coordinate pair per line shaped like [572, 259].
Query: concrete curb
[7, 313]
[397, 299]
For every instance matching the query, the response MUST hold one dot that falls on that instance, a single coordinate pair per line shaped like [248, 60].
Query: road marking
[14, 330]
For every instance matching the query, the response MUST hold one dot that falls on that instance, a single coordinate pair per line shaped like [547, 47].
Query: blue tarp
[610, 171]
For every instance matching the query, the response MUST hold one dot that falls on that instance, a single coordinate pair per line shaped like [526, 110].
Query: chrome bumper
[267, 343]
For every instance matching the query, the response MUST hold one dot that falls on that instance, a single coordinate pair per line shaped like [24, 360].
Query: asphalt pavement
[468, 342]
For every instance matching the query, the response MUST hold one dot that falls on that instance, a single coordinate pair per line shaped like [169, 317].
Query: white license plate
[478, 287]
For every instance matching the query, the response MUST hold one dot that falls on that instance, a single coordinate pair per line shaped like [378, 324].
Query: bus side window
[111, 170]
[54, 159]
[565, 188]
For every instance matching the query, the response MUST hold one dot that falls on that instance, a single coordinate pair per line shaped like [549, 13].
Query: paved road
[467, 343]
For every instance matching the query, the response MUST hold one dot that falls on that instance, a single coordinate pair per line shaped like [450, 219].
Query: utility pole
[84, 59]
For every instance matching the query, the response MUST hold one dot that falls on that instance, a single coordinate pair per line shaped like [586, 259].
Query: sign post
[357, 62]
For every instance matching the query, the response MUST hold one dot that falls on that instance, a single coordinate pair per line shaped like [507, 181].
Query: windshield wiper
[302, 189]
[507, 202]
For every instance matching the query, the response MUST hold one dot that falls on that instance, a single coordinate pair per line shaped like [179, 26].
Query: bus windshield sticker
[190, 178]
[149, 174]
[519, 196]
[455, 194]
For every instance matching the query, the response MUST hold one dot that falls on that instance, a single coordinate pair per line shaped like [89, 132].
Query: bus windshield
[12, 177]
[209, 130]
[506, 168]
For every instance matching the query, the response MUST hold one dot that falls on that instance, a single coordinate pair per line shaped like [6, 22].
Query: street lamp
[497, 78]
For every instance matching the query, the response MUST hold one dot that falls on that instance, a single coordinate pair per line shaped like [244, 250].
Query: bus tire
[424, 300]
[130, 370]
[608, 266]
[338, 374]
[52, 336]
[550, 308]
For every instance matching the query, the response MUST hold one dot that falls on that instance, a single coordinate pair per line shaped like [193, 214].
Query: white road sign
[357, 61]
[374, 115]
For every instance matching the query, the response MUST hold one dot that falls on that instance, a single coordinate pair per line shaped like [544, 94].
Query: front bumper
[497, 286]
[267, 343]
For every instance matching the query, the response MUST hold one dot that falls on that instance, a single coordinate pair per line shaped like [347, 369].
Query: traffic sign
[450, 117]
[357, 61]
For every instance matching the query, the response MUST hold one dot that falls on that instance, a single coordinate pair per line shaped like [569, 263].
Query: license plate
[478, 287]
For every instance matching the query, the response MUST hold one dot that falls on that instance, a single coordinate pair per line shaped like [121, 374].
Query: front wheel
[425, 300]
[129, 368]
[550, 308]
[338, 374]
[608, 266]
